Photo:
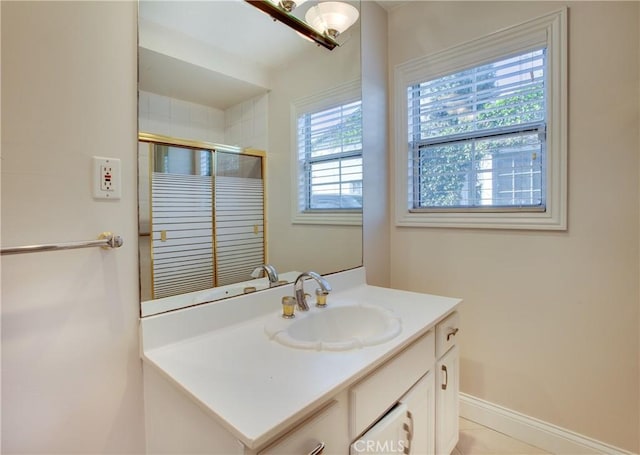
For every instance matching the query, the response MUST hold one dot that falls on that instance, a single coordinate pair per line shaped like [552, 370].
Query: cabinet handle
[446, 377]
[409, 430]
[318, 450]
[452, 333]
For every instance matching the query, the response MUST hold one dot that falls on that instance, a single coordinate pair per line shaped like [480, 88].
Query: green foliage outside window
[445, 171]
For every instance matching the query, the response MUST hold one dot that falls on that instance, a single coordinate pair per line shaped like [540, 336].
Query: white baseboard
[543, 435]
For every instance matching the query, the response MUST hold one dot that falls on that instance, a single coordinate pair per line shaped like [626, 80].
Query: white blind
[330, 158]
[477, 137]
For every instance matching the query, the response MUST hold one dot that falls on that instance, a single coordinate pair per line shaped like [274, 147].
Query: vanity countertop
[220, 356]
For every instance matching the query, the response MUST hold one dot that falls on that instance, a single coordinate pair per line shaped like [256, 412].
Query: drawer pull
[446, 377]
[452, 333]
[409, 429]
[406, 428]
[318, 450]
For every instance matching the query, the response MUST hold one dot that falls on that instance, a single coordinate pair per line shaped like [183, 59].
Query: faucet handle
[321, 298]
[288, 307]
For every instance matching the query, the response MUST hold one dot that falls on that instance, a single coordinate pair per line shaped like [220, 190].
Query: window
[329, 158]
[330, 153]
[476, 137]
[484, 142]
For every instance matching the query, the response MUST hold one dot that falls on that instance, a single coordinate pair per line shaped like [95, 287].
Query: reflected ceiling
[170, 28]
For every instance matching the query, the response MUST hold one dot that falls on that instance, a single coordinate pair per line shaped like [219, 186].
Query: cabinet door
[447, 405]
[420, 402]
[390, 435]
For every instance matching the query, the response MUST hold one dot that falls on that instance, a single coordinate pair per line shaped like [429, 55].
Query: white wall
[71, 375]
[376, 159]
[550, 319]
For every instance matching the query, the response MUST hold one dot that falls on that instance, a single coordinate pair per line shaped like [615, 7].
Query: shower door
[239, 220]
[181, 220]
[201, 217]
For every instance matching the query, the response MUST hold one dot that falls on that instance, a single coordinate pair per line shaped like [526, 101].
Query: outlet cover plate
[106, 178]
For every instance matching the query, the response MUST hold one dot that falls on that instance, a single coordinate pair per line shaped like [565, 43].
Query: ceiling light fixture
[326, 20]
[290, 5]
[332, 18]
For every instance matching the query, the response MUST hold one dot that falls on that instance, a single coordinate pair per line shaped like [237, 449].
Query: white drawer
[327, 428]
[446, 333]
[371, 397]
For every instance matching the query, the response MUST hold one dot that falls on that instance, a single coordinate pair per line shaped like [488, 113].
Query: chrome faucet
[298, 287]
[270, 272]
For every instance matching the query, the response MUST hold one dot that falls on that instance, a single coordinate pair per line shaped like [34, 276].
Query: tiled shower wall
[244, 124]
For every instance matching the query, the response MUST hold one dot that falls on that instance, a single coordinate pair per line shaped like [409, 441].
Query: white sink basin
[335, 328]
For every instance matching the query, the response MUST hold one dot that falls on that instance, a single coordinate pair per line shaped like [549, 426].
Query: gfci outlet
[106, 181]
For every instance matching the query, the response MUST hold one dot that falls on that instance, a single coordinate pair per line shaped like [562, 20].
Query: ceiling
[215, 22]
[217, 53]
[390, 5]
[217, 46]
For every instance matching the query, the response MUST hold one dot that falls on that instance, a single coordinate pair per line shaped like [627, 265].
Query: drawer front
[446, 333]
[371, 397]
[324, 432]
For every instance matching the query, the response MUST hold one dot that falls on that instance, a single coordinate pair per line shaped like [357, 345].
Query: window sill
[330, 218]
[480, 220]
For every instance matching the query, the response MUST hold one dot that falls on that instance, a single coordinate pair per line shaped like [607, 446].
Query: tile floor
[476, 439]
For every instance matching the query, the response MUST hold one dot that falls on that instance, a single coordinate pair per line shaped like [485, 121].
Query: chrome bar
[298, 25]
[106, 240]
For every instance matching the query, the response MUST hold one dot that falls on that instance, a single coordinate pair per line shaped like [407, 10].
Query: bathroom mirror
[223, 72]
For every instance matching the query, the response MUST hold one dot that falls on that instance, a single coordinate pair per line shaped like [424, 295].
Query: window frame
[549, 31]
[339, 95]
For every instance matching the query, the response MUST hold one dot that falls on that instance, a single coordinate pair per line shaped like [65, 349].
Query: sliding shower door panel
[182, 234]
[239, 209]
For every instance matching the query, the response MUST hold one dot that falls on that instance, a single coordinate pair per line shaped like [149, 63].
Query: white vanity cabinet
[381, 390]
[407, 428]
[391, 410]
[421, 412]
[447, 388]
[215, 383]
[324, 433]
[409, 404]
[425, 419]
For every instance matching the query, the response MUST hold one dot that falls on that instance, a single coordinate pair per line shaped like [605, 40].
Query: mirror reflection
[288, 112]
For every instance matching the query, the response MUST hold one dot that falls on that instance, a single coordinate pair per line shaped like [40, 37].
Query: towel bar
[106, 240]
